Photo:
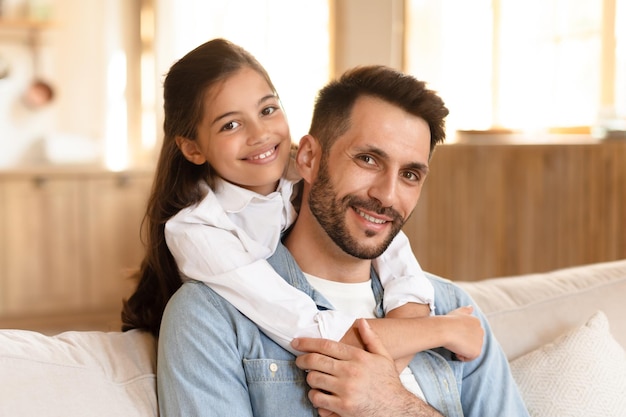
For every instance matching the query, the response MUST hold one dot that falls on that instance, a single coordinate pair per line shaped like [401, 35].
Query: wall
[78, 56]
[368, 32]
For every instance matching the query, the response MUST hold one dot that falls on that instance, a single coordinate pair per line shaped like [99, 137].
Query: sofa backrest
[113, 374]
[526, 312]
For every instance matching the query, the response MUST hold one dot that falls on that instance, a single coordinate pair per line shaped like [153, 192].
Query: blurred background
[533, 177]
[536, 66]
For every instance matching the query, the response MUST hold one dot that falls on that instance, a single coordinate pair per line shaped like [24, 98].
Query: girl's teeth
[264, 155]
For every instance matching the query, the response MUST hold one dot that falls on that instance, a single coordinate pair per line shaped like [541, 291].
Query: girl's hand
[466, 334]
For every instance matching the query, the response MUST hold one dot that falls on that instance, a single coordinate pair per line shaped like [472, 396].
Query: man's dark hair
[334, 103]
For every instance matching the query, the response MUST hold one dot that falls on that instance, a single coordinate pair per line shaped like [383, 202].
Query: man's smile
[370, 218]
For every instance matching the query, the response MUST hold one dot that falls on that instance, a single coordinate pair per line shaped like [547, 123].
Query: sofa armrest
[77, 374]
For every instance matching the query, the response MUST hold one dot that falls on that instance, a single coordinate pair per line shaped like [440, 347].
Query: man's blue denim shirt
[213, 361]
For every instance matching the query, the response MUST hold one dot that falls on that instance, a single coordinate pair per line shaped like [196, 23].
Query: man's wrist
[412, 406]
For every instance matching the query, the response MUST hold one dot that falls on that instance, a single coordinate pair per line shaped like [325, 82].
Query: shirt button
[273, 367]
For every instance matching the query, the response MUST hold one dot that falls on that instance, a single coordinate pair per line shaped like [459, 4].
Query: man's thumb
[370, 339]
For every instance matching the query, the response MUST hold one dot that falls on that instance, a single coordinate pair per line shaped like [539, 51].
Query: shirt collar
[234, 198]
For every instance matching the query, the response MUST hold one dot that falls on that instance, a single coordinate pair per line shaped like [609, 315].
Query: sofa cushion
[582, 373]
[77, 374]
[528, 311]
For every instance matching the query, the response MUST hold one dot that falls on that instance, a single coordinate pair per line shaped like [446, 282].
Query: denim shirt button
[273, 367]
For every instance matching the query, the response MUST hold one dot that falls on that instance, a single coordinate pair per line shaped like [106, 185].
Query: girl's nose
[257, 133]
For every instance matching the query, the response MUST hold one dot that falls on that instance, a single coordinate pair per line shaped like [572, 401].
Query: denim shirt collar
[287, 267]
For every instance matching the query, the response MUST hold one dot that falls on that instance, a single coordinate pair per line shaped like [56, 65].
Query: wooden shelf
[26, 24]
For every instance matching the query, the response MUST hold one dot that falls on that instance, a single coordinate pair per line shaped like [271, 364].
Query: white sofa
[554, 328]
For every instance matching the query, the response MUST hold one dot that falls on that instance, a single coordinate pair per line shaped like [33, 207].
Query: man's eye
[230, 126]
[268, 110]
[412, 176]
[369, 160]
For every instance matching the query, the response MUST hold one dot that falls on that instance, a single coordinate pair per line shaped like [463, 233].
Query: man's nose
[384, 189]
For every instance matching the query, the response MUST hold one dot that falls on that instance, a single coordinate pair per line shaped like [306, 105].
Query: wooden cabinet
[500, 209]
[41, 228]
[114, 211]
[68, 244]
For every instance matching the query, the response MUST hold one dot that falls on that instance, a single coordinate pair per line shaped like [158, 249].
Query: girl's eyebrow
[268, 97]
[230, 113]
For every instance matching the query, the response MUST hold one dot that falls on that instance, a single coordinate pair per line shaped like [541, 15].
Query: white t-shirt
[358, 299]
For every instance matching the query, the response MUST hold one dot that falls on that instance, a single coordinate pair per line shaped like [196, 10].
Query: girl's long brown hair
[177, 182]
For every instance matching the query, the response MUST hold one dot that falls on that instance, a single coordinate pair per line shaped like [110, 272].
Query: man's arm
[347, 381]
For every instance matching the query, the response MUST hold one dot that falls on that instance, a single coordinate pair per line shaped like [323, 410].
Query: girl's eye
[230, 126]
[268, 110]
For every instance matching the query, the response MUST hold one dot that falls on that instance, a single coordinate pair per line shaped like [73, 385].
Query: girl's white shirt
[225, 239]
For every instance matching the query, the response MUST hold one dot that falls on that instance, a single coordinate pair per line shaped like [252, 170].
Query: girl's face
[243, 134]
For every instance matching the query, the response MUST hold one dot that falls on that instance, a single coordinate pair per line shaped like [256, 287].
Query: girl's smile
[264, 157]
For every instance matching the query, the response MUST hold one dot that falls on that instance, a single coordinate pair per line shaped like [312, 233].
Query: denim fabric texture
[214, 361]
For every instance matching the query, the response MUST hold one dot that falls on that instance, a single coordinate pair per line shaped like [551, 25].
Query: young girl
[222, 197]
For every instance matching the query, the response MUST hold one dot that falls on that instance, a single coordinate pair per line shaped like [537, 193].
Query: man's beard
[330, 214]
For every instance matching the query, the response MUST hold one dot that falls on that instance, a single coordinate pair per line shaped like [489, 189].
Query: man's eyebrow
[418, 166]
[230, 113]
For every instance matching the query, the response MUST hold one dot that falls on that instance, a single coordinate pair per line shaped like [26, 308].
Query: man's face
[371, 179]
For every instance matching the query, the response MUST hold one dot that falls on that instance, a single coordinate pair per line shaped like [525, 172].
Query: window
[290, 39]
[529, 65]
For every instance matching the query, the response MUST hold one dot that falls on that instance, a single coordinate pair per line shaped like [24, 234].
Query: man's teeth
[370, 218]
[264, 155]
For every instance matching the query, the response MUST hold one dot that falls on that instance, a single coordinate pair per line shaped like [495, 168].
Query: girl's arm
[403, 279]
[458, 331]
[283, 312]
[409, 294]
[280, 310]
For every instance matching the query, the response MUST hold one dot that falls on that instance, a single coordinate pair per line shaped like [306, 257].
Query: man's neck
[318, 255]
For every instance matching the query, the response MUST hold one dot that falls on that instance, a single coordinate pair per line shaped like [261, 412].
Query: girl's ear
[308, 157]
[190, 150]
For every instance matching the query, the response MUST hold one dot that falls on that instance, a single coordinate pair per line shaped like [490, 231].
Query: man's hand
[347, 381]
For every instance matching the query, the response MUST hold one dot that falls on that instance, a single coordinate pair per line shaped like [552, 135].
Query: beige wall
[367, 32]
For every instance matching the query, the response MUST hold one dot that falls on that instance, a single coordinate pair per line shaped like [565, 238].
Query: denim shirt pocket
[277, 388]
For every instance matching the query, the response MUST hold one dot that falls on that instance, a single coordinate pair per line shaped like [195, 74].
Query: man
[363, 166]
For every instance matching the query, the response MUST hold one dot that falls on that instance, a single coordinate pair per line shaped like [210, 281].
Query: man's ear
[190, 150]
[308, 157]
